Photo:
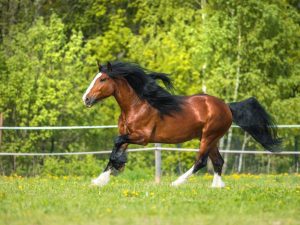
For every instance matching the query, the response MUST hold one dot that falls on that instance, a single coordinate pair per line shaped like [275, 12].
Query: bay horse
[151, 114]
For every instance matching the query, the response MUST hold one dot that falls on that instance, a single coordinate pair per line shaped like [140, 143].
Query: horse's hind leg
[201, 159]
[217, 162]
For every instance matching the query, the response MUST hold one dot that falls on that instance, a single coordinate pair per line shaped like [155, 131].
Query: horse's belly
[173, 133]
[172, 140]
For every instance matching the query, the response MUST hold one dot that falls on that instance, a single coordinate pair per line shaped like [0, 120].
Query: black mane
[144, 84]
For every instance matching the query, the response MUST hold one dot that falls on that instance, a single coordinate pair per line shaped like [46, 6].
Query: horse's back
[209, 107]
[199, 113]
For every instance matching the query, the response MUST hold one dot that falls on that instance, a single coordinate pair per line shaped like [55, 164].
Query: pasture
[133, 198]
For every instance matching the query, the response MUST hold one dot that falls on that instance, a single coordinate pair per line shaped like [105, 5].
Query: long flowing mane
[144, 84]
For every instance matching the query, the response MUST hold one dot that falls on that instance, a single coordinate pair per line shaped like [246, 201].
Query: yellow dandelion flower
[125, 192]
[192, 178]
[236, 176]
[108, 210]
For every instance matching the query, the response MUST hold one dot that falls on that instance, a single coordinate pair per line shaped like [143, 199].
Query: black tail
[253, 118]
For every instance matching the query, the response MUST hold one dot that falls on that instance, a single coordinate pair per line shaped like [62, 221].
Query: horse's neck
[126, 97]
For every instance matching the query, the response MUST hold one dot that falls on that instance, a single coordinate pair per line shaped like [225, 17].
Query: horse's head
[101, 87]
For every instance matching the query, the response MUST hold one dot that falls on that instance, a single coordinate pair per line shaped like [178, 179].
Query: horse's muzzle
[89, 102]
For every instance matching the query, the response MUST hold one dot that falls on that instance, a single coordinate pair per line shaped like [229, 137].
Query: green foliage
[72, 166]
[231, 49]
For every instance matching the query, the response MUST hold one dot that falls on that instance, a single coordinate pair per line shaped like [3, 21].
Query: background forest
[232, 49]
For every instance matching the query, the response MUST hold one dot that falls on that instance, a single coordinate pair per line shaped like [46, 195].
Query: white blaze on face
[90, 87]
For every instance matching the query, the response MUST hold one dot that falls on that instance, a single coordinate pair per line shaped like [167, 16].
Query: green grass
[132, 198]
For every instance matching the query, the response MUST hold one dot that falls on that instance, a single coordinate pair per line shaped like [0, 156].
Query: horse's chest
[133, 126]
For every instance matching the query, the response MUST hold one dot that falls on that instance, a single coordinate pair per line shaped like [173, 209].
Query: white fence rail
[59, 127]
[104, 127]
[146, 149]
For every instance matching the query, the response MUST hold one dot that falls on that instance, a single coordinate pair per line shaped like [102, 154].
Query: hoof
[178, 182]
[217, 182]
[218, 185]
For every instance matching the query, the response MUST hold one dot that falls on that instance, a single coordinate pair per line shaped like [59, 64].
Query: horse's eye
[103, 79]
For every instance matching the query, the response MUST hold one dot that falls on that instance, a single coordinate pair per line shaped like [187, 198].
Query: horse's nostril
[87, 100]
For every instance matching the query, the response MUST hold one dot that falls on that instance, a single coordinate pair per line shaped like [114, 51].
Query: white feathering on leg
[214, 183]
[178, 182]
[103, 179]
[217, 181]
[182, 179]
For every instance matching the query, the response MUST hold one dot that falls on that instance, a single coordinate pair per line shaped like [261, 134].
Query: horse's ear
[109, 67]
[99, 66]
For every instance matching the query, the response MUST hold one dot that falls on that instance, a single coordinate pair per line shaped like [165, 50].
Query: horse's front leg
[117, 161]
[117, 157]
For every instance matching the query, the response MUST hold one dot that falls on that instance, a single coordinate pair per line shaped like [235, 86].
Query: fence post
[296, 156]
[157, 163]
[1, 124]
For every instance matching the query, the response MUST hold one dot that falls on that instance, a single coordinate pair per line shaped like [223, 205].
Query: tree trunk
[269, 164]
[203, 69]
[235, 94]
[246, 138]
[14, 163]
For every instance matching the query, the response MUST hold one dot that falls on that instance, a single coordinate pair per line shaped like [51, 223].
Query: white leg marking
[217, 181]
[214, 183]
[103, 179]
[182, 179]
[90, 87]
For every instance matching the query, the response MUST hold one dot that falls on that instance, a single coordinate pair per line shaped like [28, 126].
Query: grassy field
[134, 199]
